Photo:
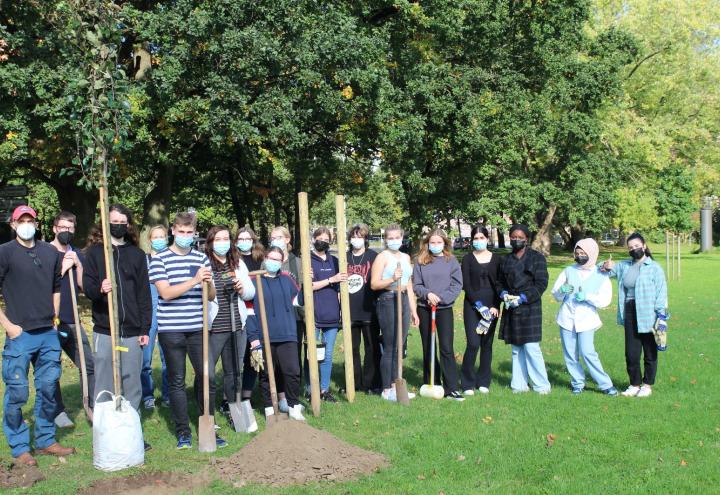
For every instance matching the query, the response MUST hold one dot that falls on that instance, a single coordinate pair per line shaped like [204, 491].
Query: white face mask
[357, 242]
[25, 231]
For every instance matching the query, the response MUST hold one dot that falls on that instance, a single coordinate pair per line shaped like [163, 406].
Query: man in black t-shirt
[30, 284]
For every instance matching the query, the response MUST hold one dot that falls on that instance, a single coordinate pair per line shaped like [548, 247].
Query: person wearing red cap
[30, 284]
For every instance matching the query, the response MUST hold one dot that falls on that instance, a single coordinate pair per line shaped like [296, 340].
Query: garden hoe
[206, 422]
[432, 391]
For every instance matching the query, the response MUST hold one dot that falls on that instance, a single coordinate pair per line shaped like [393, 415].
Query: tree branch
[645, 59]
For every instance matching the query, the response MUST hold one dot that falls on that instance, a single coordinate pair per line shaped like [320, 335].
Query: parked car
[461, 243]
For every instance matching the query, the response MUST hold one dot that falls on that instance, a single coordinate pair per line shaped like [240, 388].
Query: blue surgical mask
[244, 246]
[479, 245]
[183, 242]
[158, 244]
[436, 248]
[273, 266]
[394, 244]
[221, 247]
[25, 231]
[280, 243]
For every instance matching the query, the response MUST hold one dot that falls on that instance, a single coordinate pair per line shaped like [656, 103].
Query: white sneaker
[389, 395]
[645, 391]
[411, 395]
[296, 413]
[62, 420]
[483, 390]
[283, 406]
[468, 392]
[269, 411]
[631, 391]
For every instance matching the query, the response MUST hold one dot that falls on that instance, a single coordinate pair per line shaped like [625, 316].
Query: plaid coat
[527, 275]
[650, 293]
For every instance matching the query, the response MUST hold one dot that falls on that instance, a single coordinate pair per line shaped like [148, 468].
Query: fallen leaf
[461, 457]
[683, 462]
[673, 379]
[550, 437]
[420, 477]
[693, 381]
[479, 460]
[356, 422]
[62, 460]
[487, 420]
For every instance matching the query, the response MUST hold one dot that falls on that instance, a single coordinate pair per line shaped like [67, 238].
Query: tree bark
[543, 240]
[156, 204]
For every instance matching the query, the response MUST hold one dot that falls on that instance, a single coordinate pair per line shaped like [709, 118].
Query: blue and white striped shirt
[184, 313]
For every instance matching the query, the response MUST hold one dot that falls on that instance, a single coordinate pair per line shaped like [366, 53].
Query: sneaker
[411, 395]
[327, 396]
[225, 408]
[389, 395]
[184, 442]
[520, 390]
[147, 446]
[577, 390]
[644, 391]
[62, 420]
[631, 391]
[163, 403]
[469, 392]
[483, 390]
[269, 411]
[220, 442]
[283, 406]
[296, 413]
[455, 395]
[149, 404]
[545, 391]
[612, 392]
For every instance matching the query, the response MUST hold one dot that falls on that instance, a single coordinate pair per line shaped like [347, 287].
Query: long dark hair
[479, 228]
[232, 256]
[132, 233]
[636, 235]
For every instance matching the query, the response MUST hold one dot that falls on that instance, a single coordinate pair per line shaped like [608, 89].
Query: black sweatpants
[445, 335]
[69, 345]
[469, 378]
[367, 372]
[636, 344]
[287, 371]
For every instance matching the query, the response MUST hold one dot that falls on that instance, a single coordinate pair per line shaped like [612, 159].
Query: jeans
[636, 344]
[578, 345]
[327, 336]
[178, 346]
[528, 366]
[469, 378]
[387, 318]
[287, 369]
[130, 368]
[367, 372]
[221, 347]
[69, 345]
[445, 334]
[42, 349]
[148, 385]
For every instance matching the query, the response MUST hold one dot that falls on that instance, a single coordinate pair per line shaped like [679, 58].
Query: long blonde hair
[425, 257]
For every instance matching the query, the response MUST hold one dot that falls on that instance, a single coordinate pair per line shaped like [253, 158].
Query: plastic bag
[117, 435]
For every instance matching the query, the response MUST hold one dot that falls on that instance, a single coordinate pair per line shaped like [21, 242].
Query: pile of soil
[291, 452]
[19, 475]
[145, 484]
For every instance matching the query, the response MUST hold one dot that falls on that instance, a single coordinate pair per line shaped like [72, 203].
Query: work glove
[508, 298]
[513, 302]
[483, 326]
[580, 296]
[483, 310]
[660, 331]
[256, 358]
[566, 288]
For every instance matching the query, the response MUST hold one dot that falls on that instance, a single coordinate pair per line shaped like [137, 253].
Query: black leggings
[445, 334]
[366, 373]
[469, 378]
[287, 370]
[636, 344]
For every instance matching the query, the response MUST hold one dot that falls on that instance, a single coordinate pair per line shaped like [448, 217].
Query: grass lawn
[668, 443]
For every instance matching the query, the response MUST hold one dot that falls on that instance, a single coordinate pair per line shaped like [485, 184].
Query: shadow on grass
[557, 374]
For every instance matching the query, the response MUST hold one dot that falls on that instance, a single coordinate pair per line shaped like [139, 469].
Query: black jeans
[445, 334]
[221, 347]
[69, 345]
[177, 346]
[387, 319]
[469, 378]
[367, 372]
[636, 344]
[287, 370]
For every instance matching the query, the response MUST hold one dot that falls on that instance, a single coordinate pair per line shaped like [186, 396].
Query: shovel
[81, 349]
[401, 390]
[206, 422]
[432, 391]
[243, 418]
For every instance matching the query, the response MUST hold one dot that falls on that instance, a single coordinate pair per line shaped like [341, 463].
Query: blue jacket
[327, 304]
[279, 293]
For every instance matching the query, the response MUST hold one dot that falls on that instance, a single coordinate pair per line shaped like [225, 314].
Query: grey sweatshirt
[442, 277]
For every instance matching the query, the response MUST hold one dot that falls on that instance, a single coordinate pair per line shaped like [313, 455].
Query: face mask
[436, 248]
[273, 266]
[637, 253]
[517, 245]
[25, 231]
[221, 247]
[479, 245]
[394, 245]
[357, 243]
[65, 237]
[581, 260]
[183, 242]
[244, 246]
[158, 244]
[118, 230]
[280, 243]
[321, 246]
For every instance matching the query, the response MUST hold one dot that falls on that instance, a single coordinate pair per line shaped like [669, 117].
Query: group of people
[160, 298]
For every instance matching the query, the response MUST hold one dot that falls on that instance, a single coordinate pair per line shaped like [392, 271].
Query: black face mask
[118, 230]
[65, 237]
[517, 245]
[321, 246]
[637, 253]
[581, 260]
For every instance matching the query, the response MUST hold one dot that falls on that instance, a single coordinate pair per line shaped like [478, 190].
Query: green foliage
[637, 209]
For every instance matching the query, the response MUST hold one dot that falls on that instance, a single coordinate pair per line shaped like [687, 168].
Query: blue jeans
[582, 345]
[42, 349]
[146, 378]
[528, 366]
[327, 336]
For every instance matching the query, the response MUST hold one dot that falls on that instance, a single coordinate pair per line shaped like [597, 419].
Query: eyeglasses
[65, 229]
[35, 259]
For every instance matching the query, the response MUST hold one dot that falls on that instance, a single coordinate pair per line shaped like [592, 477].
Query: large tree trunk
[78, 200]
[543, 239]
[156, 204]
[237, 206]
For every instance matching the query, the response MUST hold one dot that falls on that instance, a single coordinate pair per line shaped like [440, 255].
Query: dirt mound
[19, 475]
[291, 452]
[145, 484]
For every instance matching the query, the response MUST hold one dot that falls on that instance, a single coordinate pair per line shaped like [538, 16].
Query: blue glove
[483, 326]
[503, 295]
[523, 299]
[580, 296]
[566, 288]
[483, 310]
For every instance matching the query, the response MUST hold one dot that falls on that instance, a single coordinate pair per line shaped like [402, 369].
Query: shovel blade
[402, 392]
[206, 433]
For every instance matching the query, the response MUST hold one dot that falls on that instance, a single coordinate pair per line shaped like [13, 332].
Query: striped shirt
[184, 313]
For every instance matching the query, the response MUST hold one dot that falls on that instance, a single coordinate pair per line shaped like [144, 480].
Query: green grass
[668, 443]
